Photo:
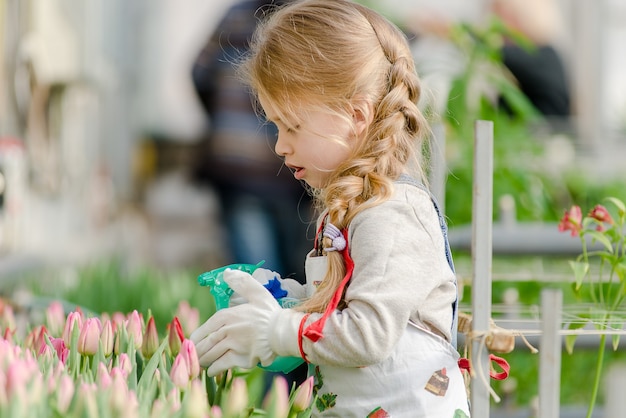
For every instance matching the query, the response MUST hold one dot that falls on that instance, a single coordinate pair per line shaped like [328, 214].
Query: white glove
[248, 334]
[294, 289]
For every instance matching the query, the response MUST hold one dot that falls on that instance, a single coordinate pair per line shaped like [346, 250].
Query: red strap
[300, 328]
[314, 332]
[504, 365]
[464, 364]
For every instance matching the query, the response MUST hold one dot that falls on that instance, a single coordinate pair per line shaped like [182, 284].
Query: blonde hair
[334, 54]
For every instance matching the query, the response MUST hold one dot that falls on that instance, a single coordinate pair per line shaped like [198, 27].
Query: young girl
[339, 82]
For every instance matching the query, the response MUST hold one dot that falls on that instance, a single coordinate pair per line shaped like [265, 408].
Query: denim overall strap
[405, 179]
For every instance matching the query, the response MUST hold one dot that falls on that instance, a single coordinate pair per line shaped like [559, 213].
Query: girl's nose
[282, 146]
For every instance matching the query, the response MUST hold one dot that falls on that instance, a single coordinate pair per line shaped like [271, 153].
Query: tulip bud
[150, 339]
[188, 351]
[55, 318]
[180, 373]
[303, 395]
[237, 398]
[196, 402]
[104, 378]
[175, 336]
[65, 393]
[277, 400]
[135, 329]
[125, 364]
[74, 319]
[107, 337]
[89, 337]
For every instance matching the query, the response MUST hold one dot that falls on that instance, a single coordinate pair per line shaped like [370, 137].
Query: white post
[482, 219]
[615, 387]
[550, 353]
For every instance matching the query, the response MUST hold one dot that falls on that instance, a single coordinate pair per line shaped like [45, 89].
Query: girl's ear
[362, 115]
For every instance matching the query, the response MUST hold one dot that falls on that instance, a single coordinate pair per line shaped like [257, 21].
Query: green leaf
[600, 237]
[580, 269]
[148, 371]
[618, 203]
[571, 339]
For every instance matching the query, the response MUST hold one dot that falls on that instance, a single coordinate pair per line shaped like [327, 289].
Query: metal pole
[482, 219]
[550, 353]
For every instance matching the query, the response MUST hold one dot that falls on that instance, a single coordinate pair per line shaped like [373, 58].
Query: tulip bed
[78, 365]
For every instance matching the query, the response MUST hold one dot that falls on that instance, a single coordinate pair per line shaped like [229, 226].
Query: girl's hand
[248, 334]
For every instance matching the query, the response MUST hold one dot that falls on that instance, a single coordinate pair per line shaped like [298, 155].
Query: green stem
[596, 380]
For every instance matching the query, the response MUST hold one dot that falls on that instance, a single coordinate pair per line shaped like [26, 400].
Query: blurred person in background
[539, 71]
[265, 210]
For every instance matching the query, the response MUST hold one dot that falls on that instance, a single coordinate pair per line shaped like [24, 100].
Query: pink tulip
[36, 338]
[572, 221]
[175, 336]
[74, 319]
[107, 337]
[237, 400]
[196, 400]
[190, 355]
[89, 337]
[179, 373]
[65, 393]
[215, 412]
[61, 349]
[134, 327]
[125, 364]
[104, 377]
[150, 339]
[55, 318]
[303, 395]
[119, 320]
[189, 317]
[119, 392]
[277, 400]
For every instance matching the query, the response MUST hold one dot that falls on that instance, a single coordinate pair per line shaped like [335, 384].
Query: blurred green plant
[485, 90]
[107, 286]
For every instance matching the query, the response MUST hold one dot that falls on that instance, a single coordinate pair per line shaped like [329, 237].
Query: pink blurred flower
[572, 221]
[150, 339]
[602, 215]
[74, 319]
[36, 338]
[104, 377]
[196, 400]
[277, 400]
[303, 395]
[134, 326]
[107, 337]
[179, 373]
[62, 351]
[190, 355]
[175, 336]
[125, 364]
[89, 337]
[189, 317]
[237, 400]
[55, 318]
[65, 393]
[215, 412]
